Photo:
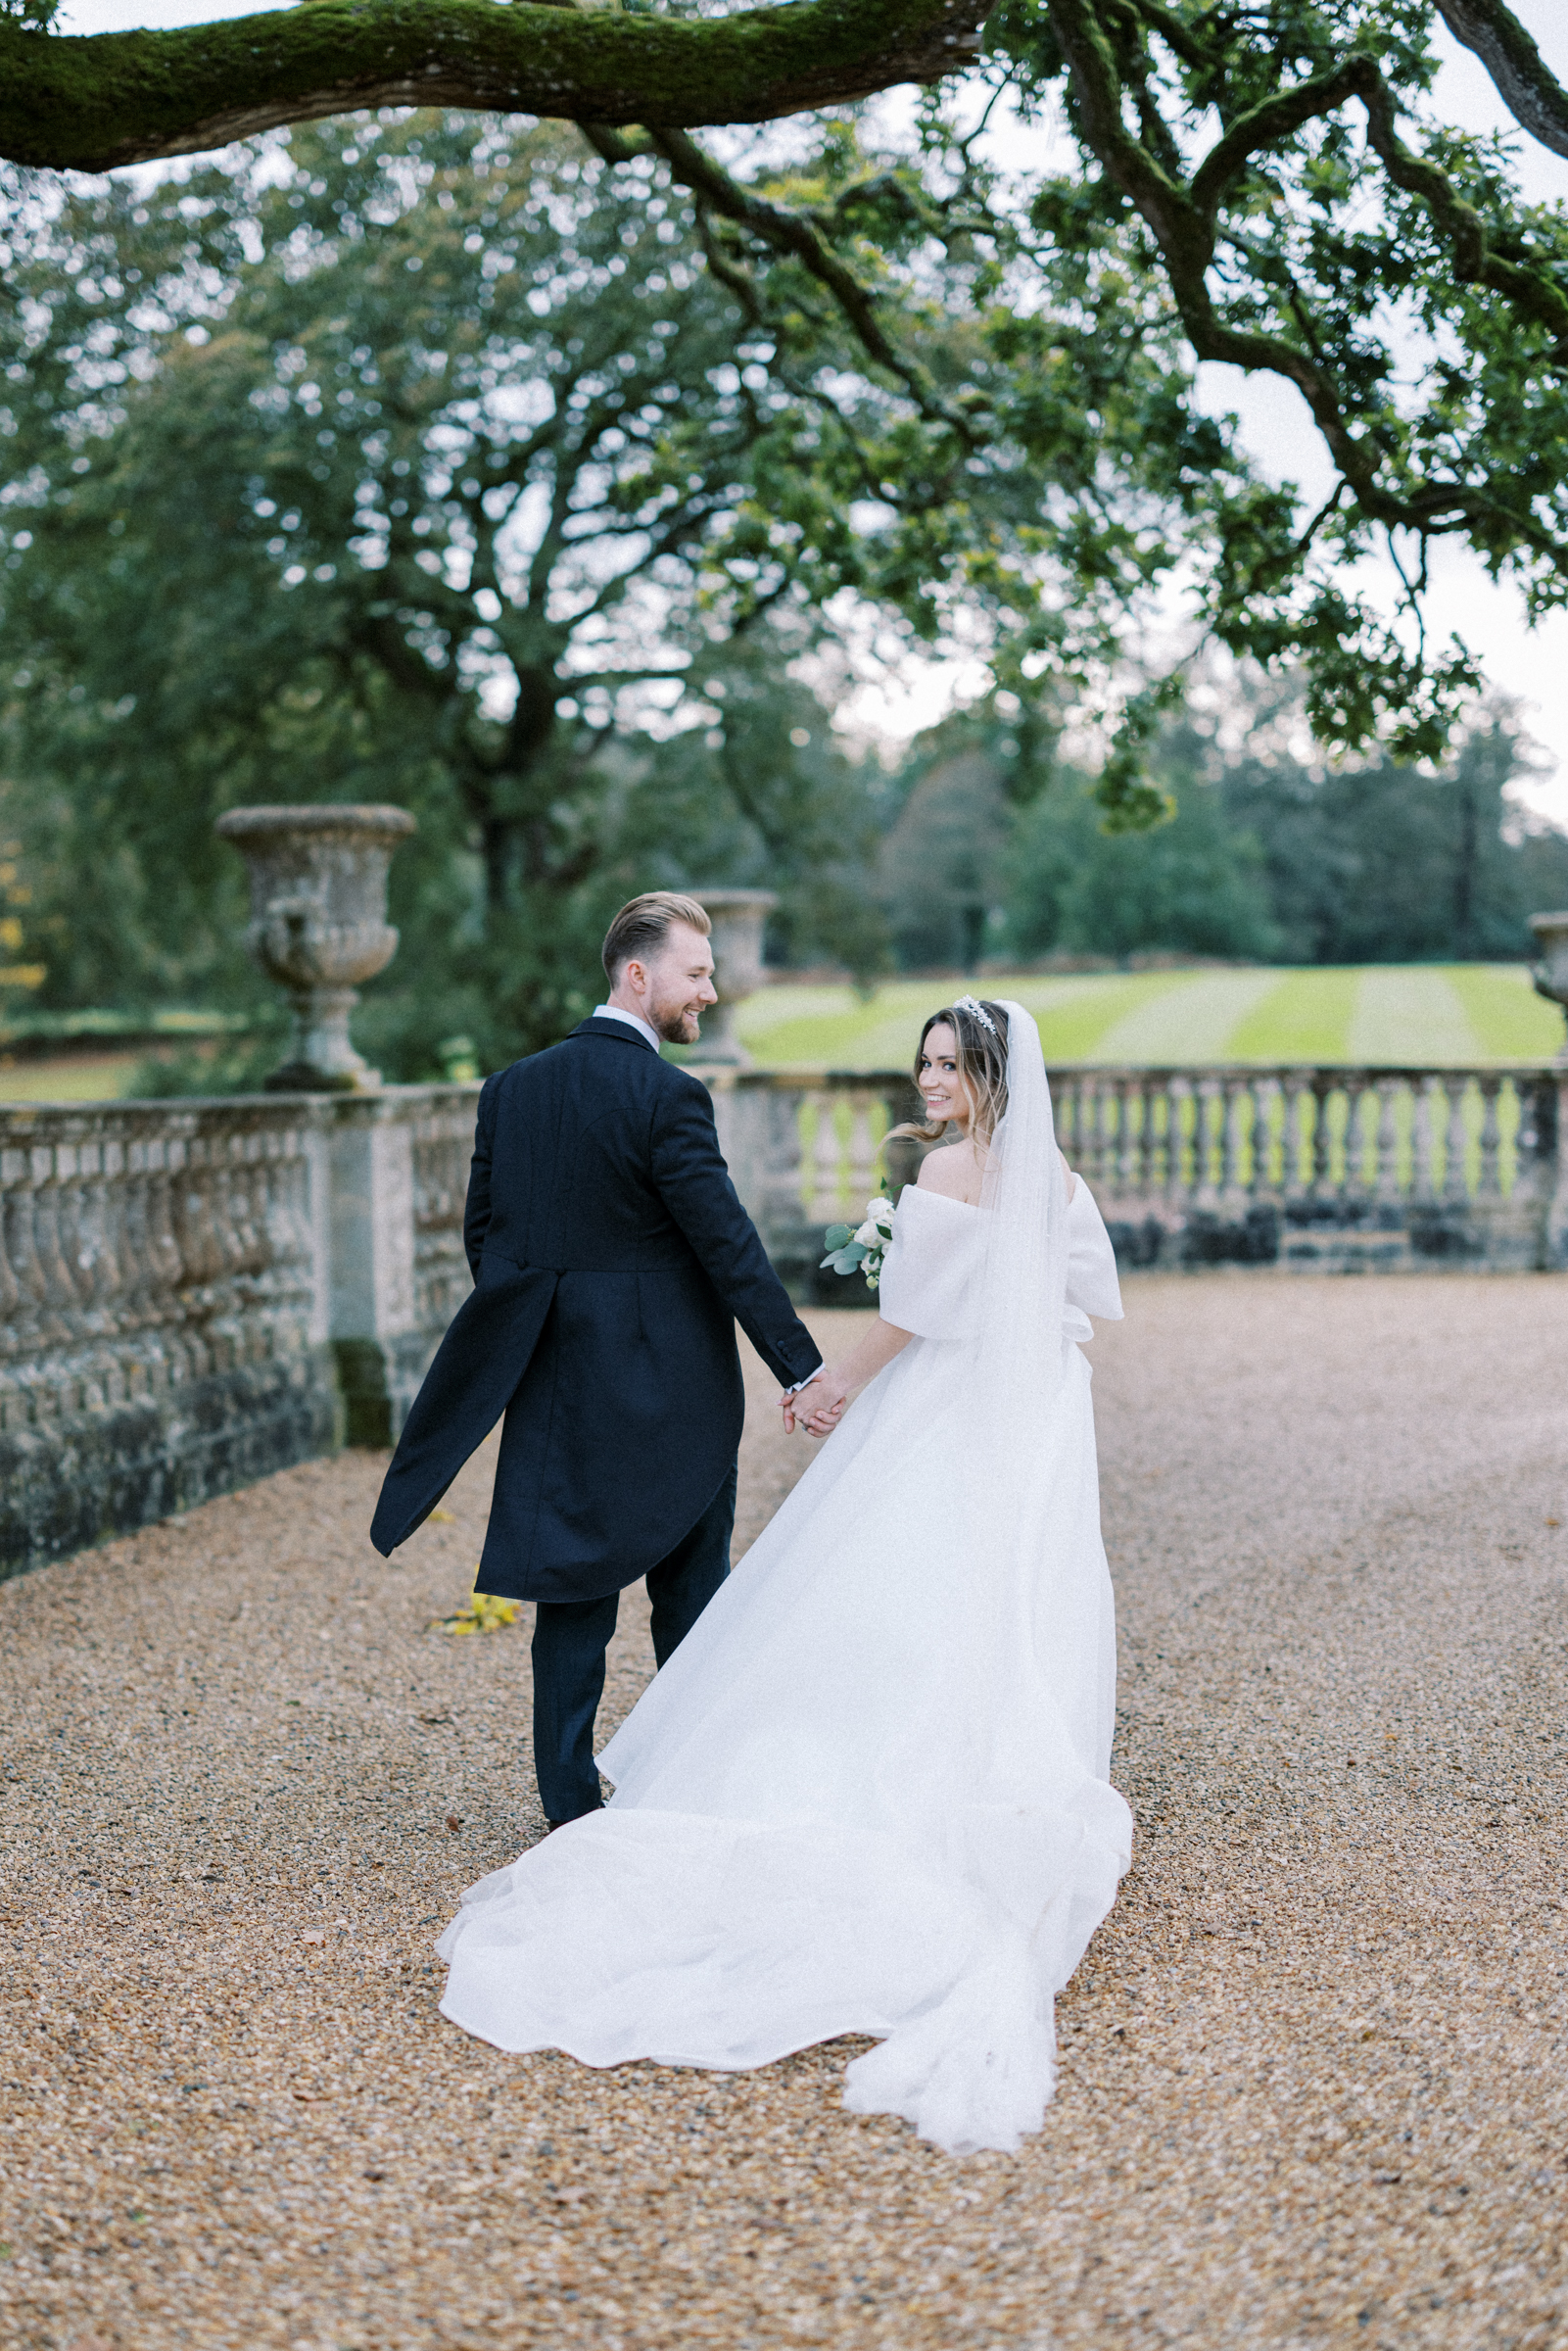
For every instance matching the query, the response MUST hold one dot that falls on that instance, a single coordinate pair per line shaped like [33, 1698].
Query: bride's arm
[821, 1403]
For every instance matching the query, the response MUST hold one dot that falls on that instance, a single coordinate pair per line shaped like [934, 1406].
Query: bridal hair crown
[972, 1005]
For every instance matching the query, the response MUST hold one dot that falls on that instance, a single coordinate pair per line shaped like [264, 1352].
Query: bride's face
[944, 1092]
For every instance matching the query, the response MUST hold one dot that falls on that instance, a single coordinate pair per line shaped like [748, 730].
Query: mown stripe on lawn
[1510, 1021]
[1194, 1018]
[1306, 1018]
[1410, 1015]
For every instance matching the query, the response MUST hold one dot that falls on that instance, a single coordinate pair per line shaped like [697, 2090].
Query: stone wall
[194, 1293]
[1333, 1169]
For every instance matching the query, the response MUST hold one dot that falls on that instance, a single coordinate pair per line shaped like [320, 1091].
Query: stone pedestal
[1550, 974]
[373, 1317]
[319, 925]
[738, 917]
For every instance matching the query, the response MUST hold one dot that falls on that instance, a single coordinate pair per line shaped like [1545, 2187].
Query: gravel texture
[1313, 2087]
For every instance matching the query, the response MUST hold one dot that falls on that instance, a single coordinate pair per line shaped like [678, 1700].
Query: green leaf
[837, 1235]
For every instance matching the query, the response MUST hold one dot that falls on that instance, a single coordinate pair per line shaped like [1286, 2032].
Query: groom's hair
[643, 925]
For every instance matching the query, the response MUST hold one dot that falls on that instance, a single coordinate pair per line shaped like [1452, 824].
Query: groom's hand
[818, 1406]
[790, 1404]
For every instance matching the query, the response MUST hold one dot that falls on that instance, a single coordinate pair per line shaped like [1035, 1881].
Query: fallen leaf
[484, 1613]
[441, 1518]
[314, 1934]
[454, 1822]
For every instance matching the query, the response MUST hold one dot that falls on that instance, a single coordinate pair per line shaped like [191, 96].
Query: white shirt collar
[633, 1019]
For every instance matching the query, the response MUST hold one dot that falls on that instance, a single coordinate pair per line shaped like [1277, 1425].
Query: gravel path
[1313, 2083]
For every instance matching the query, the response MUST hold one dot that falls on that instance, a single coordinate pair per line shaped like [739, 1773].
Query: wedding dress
[868, 1794]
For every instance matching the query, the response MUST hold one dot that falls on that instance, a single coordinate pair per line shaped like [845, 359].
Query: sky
[1531, 665]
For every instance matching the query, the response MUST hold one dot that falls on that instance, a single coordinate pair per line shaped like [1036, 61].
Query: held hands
[818, 1406]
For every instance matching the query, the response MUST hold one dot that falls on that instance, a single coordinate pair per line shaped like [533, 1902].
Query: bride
[868, 1794]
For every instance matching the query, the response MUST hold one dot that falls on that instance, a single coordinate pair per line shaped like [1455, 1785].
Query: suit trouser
[571, 1637]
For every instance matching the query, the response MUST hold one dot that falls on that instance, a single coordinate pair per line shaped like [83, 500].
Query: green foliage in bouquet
[861, 1248]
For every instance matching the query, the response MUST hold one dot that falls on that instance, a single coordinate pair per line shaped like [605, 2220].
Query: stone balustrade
[194, 1293]
[1329, 1169]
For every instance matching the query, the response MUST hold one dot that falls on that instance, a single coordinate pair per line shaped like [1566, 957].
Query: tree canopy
[1277, 857]
[421, 470]
[1267, 187]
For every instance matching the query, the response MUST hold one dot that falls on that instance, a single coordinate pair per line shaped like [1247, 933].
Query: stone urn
[319, 925]
[738, 917]
[1550, 974]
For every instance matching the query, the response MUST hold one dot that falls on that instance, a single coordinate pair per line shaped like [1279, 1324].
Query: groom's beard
[679, 1024]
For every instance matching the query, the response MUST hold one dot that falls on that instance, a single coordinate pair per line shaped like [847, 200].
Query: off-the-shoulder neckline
[927, 1194]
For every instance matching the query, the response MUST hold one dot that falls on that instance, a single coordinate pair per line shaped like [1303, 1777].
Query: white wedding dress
[869, 1791]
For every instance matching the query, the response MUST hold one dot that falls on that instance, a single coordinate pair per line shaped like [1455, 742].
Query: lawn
[1418, 1015]
[1410, 1014]
[73, 1078]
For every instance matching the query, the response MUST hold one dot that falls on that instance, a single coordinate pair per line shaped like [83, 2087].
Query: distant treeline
[1269, 856]
[982, 842]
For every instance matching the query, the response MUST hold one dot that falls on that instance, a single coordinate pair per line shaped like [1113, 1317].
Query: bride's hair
[980, 1031]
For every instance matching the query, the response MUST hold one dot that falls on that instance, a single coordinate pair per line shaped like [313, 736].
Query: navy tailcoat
[611, 1259]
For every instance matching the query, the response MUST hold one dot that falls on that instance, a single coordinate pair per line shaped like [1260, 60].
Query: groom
[611, 1262]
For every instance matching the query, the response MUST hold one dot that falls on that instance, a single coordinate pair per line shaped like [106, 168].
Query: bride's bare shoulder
[949, 1170]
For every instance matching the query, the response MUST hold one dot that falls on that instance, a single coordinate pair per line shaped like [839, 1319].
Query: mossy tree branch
[1185, 220]
[88, 102]
[1525, 82]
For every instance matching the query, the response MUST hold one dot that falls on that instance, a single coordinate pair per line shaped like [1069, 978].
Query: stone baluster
[40, 1324]
[14, 1302]
[1118, 1135]
[1235, 1135]
[1455, 1140]
[1356, 1173]
[1295, 1142]
[49, 1241]
[1208, 1102]
[1178, 1095]
[825, 1157]
[1268, 1102]
[1112, 1105]
[863, 1147]
[1062, 1115]
[1083, 1117]
[1390, 1093]
[1081, 1152]
[1424, 1138]
[1066, 1102]
[1152, 1091]
[1322, 1085]
[1082, 1122]
[1489, 1186]
[78, 1251]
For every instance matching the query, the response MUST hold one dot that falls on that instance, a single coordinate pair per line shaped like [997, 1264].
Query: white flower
[878, 1210]
[867, 1235]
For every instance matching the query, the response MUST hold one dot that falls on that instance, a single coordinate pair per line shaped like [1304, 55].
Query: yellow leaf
[484, 1613]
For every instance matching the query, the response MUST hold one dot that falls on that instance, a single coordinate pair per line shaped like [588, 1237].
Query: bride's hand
[819, 1405]
[801, 1402]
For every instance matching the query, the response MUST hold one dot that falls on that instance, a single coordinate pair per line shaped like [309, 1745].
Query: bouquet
[861, 1248]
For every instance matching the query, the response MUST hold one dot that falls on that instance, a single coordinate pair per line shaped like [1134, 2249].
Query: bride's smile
[942, 1090]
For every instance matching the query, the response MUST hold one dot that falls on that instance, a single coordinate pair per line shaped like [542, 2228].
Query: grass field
[1418, 1014]
[73, 1078]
